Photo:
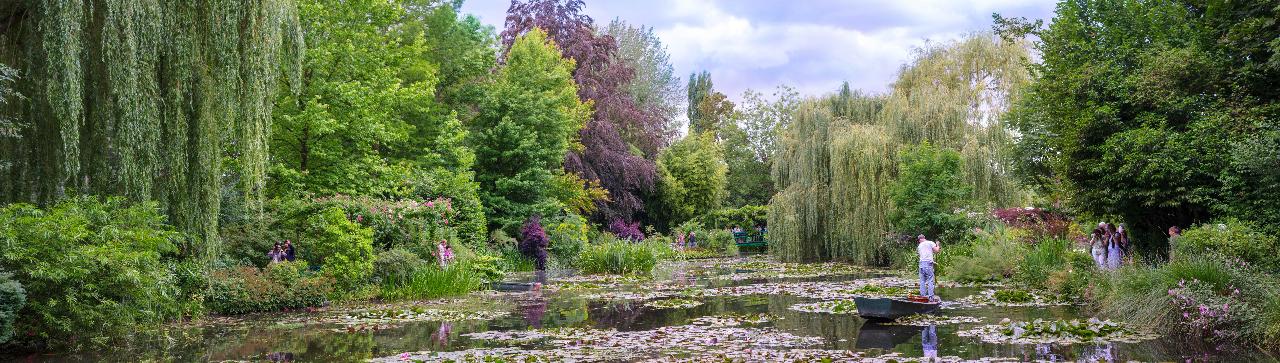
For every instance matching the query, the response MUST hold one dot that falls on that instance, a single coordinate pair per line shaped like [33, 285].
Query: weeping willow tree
[166, 101]
[839, 158]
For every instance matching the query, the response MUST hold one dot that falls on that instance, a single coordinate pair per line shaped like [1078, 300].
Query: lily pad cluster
[828, 307]
[673, 304]
[1058, 332]
[704, 341]
[727, 320]
[771, 269]
[1009, 298]
[375, 317]
[929, 319]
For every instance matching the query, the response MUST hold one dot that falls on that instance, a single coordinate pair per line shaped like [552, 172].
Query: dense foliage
[622, 135]
[928, 193]
[838, 158]
[248, 289]
[167, 102]
[1160, 112]
[94, 270]
[527, 123]
[12, 299]
[693, 178]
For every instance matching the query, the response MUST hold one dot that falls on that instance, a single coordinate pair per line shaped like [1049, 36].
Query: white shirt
[926, 249]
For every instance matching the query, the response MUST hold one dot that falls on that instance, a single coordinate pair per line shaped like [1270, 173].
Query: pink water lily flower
[404, 356]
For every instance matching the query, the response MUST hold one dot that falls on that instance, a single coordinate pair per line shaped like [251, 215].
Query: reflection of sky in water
[264, 339]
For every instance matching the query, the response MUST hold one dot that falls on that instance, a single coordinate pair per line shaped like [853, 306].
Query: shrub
[431, 281]
[342, 248]
[12, 298]
[396, 263]
[626, 231]
[248, 289]
[1052, 265]
[1042, 224]
[93, 269]
[534, 242]
[1233, 239]
[719, 241]
[746, 217]
[569, 235]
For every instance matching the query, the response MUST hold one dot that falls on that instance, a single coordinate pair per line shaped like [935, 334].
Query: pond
[740, 309]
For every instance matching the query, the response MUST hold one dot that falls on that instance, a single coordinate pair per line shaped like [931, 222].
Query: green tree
[693, 178]
[165, 101]
[700, 87]
[366, 91]
[1157, 111]
[928, 192]
[528, 121]
[655, 85]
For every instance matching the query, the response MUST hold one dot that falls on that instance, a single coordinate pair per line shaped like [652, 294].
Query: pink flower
[404, 356]
[359, 218]
[431, 204]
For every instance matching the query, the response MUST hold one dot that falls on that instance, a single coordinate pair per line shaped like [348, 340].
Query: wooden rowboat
[892, 308]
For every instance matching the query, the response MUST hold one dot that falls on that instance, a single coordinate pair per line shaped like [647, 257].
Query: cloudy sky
[812, 45]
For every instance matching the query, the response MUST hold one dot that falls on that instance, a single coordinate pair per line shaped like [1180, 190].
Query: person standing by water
[1174, 234]
[927, 249]
[693, 241]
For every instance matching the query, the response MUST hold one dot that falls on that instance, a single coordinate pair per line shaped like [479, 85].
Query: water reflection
[929, 342]
[266, 340]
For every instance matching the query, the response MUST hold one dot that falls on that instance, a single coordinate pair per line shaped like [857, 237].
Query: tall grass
[431, 281]
[624, 258]
[995, 255]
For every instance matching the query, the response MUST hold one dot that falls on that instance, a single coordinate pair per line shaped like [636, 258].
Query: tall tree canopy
[655, 85]
[838, 158]
[693, 178]
[1159, 112]
[527, 122]
[700, 87]
[367, 91]
[167, 101]
[621, 137]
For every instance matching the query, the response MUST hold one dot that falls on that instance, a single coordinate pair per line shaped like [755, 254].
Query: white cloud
[812, 45]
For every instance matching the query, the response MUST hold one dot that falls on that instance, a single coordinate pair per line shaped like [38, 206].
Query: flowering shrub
[569, 235]
[534, 242]
[1210, 316]
[626, 231]
[1041, 223]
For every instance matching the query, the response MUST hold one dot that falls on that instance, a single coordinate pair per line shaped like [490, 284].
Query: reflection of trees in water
[833, 328]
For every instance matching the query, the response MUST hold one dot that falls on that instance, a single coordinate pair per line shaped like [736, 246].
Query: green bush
[342, 248]
[431, 281]
[396, 263]
[720, 241]
[92, 269]
[1233, 239]
[12, 298]
[247, 289]
[569, 235]
[747, 217]
[624, 258]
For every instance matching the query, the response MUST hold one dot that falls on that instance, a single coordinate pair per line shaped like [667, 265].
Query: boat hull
[889, 309]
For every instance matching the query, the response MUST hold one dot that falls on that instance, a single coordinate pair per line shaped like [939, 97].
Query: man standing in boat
[927, 249]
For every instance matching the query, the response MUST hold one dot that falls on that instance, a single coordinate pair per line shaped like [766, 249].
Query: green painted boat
[891, 308]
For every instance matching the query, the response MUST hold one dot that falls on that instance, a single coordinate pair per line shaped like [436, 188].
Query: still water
[583, 318]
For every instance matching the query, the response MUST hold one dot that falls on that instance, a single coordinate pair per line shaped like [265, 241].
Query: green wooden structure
[744, 239]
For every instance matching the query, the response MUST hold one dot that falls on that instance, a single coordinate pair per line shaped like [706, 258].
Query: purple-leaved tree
[619, 125]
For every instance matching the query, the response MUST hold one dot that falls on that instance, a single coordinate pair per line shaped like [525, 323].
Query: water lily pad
[673, 304]
[929, 319]
[828, 307]
[1058, 332]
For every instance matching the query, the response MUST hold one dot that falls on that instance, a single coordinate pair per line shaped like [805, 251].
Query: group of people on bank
[1110, 246]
